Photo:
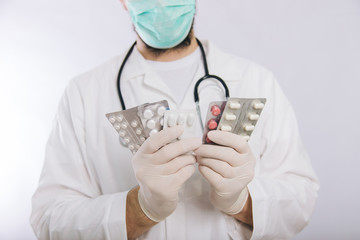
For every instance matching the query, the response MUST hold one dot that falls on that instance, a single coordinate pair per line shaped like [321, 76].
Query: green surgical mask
[162, 24]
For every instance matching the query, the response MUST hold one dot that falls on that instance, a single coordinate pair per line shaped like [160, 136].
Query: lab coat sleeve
[284, 190]
[68, 203]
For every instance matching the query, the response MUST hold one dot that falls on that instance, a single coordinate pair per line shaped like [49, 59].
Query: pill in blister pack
[212, 120]
[136, 124]
[152, 116]
[240, 115]
[186, 118]
[128, 125]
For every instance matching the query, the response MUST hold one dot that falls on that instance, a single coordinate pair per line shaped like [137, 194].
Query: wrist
[246, 215]
[136, 221]
[145, 210]
[239, 203]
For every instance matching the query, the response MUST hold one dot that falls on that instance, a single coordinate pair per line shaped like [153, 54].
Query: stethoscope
[196, 88]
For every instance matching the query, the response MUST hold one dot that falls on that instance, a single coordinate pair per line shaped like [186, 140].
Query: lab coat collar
[223, 65]
[137, 67]
[134, 67]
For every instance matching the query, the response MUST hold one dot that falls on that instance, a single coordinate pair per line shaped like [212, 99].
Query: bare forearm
[137, 222]
[246, 215]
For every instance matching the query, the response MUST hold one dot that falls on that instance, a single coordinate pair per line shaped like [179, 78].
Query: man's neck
[170, 55]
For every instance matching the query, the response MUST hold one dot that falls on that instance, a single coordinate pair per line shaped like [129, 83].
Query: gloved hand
[228, 168]
[161, 167]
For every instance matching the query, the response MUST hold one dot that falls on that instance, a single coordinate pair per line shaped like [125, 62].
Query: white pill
[230, 116]
[258, 105]
[112, 119]
[124, 125]
[134, 124]
[148, 114]
[131, 147]
[153, 131]
[235, 105]
[246, 137]
[142, 138]
[191, 119]
[117, 126]
[171, 120]
[161, 110]
[181, 119]
[119, 117]
[226, 128]
[122, 133]
[137, 146]
[127, 140]
[151, 124]
[138, 131]
[249, 127]
[254, 117]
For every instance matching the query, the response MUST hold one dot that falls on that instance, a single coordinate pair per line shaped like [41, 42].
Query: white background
[312, 46]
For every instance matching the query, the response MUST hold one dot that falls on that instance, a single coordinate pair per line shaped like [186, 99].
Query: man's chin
[184, 44]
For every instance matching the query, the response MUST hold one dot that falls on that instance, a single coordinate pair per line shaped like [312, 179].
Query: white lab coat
[87, 173]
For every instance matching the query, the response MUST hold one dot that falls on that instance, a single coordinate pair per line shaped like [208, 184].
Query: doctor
[93, 188]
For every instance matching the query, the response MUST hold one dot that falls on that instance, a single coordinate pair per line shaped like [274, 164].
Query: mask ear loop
[206, 76]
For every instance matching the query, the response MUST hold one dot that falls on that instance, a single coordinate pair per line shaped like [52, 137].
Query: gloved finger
[176, 164]
[218, 166]
[229, 139]
[183, 174]
[176, 149]
[227, 154]
[160, 139]
[215, 179]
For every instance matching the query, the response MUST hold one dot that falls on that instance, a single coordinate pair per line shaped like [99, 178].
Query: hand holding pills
[135, 125]
[162, 164]
[161, 167]
[229, 168]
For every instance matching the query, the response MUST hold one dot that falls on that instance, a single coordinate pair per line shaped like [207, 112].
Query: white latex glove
[161, 168]
[228, 168]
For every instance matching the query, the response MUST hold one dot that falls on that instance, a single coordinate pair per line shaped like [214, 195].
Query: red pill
[212, 124]
[207, 140]
[215, 110]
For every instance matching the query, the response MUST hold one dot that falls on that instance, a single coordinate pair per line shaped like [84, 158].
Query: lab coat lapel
[155, 88]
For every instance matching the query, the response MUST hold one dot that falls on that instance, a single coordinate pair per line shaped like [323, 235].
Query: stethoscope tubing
[119, 76]
[196, 87]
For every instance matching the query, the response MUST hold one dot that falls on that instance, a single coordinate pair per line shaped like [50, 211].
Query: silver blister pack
[134, 125]
[128, 125]
[212, 119]
[185, 118]
[240, 115]
[152, 116]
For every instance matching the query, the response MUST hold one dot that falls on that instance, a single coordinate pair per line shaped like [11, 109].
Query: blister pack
[240, 115]
[212, 120]
[134, 125]
[128, 125]
[186, 118]
[152, 116]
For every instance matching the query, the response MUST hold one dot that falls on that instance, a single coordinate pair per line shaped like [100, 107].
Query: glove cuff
[239, 204]
[143, 208]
